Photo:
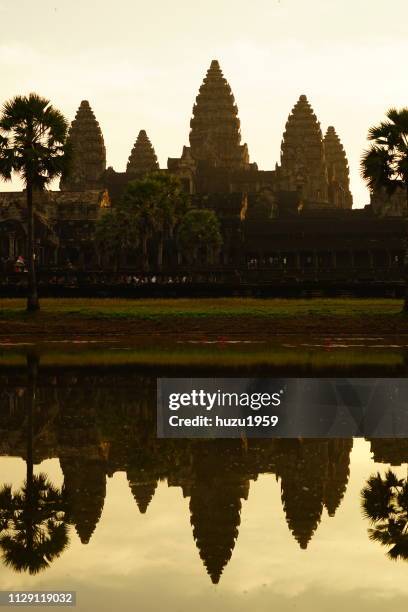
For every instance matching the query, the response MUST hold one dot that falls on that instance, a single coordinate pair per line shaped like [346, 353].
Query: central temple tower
[215, 136]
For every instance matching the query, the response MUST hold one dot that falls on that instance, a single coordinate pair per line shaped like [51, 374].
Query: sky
[140, 65]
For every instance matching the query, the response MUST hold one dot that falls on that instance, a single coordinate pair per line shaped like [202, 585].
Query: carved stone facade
[303, 164]
[64, 221]
[88, 150]
[337, 170]
[142, 159]
[215, 136]
[394, 204]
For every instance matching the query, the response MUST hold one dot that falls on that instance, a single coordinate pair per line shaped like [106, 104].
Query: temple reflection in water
[98, 423]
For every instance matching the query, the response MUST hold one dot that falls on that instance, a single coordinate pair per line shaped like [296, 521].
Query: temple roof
[335, 153]
[303, 164]
[215, 135]
[302, 124]
[143, 158]
[89, 154]
[143, 487]
[337, 164]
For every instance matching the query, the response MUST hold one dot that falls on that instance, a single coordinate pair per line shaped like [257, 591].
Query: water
[148, 524]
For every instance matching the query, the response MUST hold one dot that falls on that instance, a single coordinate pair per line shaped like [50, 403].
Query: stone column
[297, 260]
[11, 246]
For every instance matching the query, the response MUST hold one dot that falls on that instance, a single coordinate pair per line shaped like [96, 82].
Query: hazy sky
[140, 65]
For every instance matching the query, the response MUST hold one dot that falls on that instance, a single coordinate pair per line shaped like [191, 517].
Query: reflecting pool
[92, 501]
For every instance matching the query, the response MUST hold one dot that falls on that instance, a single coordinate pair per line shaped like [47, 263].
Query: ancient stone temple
[85, 489]
[216, 491]
[290, 224]
[303, 474]
[337, 170]
[89, 154]
[215, 136]
[303, 164]
[143, 486]
[142, 159]
[338, 473]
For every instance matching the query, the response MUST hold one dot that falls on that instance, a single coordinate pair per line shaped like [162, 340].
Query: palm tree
[33, 144]
[159, 202]
[33, 526]
[385, 504]
[116, 233]
[199, 229]
[171, 205]
[385, 164]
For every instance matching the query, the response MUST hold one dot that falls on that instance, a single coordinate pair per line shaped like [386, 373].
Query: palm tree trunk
[32, 370]
[145, 259]
[406, 260]
[160, 252]
[32, 374]
[32, 297]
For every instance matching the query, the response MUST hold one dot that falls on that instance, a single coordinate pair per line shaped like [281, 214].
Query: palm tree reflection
[385, 504]
[33, 530]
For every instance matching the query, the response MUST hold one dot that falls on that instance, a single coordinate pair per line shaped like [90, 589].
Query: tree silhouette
[33, 530]
[385, 163]
[199, 229]
[385, 504]
[32, 143]
[159, 203]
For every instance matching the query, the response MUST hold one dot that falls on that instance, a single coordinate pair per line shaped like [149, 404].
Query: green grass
[116, 309]
[203, 356]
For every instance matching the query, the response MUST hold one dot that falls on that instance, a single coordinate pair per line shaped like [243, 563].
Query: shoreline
[234, 318]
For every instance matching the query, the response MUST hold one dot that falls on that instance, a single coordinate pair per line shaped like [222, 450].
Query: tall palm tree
[385, 504]
[198, 229]
[159, 203]
[385, 163]
[33, 523]
[116, 233]
[33, 144]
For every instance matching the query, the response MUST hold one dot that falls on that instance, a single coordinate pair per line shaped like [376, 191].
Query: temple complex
[289, 223]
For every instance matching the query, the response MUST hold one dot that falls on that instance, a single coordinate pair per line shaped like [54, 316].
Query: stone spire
[303, 165]
[215, 507]
[338, 170]
[143, 486]
[338, 473]
[88, 151]
[215, 135]
[85, 490]
[303, 476]
[142, 158]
